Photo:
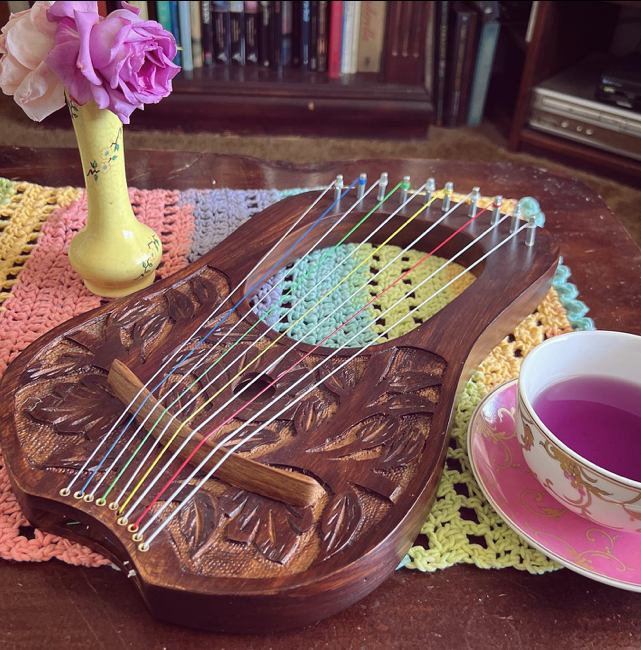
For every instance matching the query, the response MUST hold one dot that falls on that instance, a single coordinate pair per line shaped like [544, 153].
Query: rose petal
[40, 93]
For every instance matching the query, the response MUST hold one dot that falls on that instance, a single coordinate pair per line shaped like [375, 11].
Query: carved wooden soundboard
[373, 436]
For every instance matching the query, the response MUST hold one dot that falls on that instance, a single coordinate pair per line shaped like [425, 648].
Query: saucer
[604, 554]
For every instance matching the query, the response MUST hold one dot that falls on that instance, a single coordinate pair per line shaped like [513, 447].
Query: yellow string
[251, 363]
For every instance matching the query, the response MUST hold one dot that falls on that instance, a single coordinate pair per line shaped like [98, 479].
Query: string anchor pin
[338, 187]
[382, 186]
[362, 182]
[530, 231]
[88, 498]
[474, 201]
[430, 188]
[143, 547]
[496, 209]
[405, 186]
[113, 506]
[122, 521]
[78, 495]
[516, 217]
[447, 196]
[137, 537]
[101, 502]
[64, 492]
[132, 528]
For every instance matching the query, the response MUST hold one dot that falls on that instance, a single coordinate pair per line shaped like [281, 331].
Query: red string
[282, 374]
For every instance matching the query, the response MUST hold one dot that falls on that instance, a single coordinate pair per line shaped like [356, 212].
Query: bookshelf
[564, 33]
[259, 101]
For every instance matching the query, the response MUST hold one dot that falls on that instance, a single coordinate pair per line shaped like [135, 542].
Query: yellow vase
[114, 254]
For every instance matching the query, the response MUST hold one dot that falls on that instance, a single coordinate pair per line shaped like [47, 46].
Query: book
[286, 34]
[442, 19]
[488, 30]
[313, 30]
[349, 11]
[151, 10]
[102, 8]
[371, 36]
[222, 40]
[461, 18]
[276, 40]
[265, 34]
[144, 11]
[251, 33]
[175, 30]
[184, 25]
[237, 31]
[404, 52]
[305, 34]
[335, 39]
[323, 35]
[296, 33]
[353, 56]
[164, 15]
[196, 34]
[16, 6]
[207, 33]
[468, 67]
[430, 55]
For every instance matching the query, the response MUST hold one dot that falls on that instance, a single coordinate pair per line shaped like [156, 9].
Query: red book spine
[335, 39]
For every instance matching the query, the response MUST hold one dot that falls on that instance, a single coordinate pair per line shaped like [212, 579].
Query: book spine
[184, 23]
[346, 36]
[323, 33]
[305, 34]
[405, 42]
[208, 33]
[142, 5]
[175, 29]
[237, 32]
[430, 51]
[371, 36]
[296, 34]
[102, 8]
[286, 35]
[265, 34]
[276, 56]
[335, 39]
[16, 6]
[441, 59]
[313, 30]
[455, 64]
[468, 68]
[196, 34]
[251, 33]
[353, 55]
[164, 15]
[222, 40]
[482, 72]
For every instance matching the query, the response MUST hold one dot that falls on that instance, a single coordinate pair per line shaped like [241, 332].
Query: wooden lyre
[318, 507]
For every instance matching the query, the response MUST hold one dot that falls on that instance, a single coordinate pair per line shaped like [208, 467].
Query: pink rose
[25, 41]
[121, 62]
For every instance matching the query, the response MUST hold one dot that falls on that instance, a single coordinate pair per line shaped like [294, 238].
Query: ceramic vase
[114, 253]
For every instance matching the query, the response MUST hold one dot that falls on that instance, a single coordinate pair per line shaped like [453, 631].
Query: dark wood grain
[462, 606]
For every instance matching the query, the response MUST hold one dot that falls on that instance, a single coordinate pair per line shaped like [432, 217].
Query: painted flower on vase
[25, 42]
[122, 62]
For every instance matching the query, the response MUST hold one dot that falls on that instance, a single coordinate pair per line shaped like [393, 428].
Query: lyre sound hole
[255, 390]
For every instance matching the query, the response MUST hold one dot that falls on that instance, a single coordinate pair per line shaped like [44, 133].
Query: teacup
[577, 483]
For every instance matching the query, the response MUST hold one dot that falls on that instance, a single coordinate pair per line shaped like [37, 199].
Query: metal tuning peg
[516, 217]
[430, 188]
[382, 187]
[405, 186]
[362, 182]
[496, 209]
[530, 231]
[474, 201]
[338, 187]
[447, 196]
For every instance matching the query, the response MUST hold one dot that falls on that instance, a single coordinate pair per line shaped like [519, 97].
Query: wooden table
[54, 605]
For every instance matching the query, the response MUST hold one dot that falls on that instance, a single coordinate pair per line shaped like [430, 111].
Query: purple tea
[597, 417]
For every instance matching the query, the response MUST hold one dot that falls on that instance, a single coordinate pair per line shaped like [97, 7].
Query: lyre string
[203, 480]
[275, 362]
[241, 354]
[65, 491]
[300, 360]
[263, 352]
[237, 342]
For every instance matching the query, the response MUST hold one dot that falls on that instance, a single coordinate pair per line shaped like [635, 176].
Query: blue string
[213, 329]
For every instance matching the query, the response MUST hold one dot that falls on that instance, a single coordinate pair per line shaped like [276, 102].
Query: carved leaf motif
[411, 381]
[129, 314]
[205, 290]
[341, 382]
[199, 522]
[148, 328]
[87, 407]
[103, 349]
[263, 437]
[180, 307]
[340, 521]
[272, 527]
[404, 404]
[376, 432]
[309, 415]
[403, 449]
[63, 365]
[76, 457]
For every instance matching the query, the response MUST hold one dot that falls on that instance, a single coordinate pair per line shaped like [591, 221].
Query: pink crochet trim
[49, 292]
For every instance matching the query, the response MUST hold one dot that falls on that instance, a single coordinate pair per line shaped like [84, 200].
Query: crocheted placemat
[39, 290]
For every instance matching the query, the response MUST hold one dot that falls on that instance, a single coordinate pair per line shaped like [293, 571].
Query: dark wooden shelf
[516, 32]
[580, 155]
[249, 100]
